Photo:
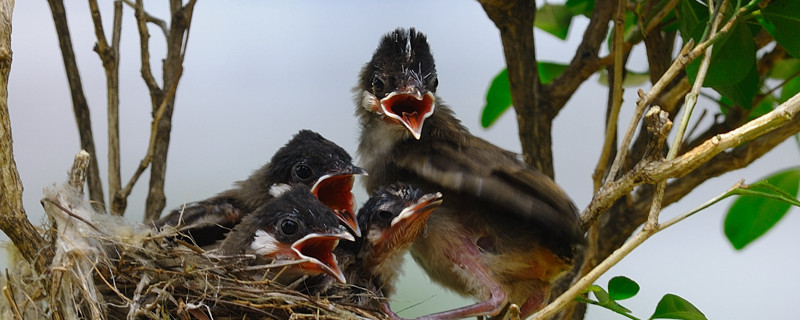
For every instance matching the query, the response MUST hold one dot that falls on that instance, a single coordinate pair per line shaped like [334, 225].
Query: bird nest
[107, 268]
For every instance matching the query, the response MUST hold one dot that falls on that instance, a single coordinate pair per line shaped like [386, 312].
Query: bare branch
[151, 19]
[585, 62]
[79, 105]
[648, 173]
[177, 41]
[13, 219]
[616, 96]
[144, 50]
[114, 167]
[109, 55]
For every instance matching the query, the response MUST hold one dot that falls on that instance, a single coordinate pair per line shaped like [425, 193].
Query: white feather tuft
[276, 190]
[264, 243]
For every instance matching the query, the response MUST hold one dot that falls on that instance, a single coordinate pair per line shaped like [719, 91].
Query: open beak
[317, 249]
[335, 191]
[410, 108]
[409, 223]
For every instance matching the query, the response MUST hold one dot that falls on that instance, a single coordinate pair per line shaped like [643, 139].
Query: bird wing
[205, 221]
[498, 178]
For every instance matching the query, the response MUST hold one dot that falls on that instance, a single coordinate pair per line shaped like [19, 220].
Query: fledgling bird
[390, 220]
[307, 158]
[506, 231]
[293, 226]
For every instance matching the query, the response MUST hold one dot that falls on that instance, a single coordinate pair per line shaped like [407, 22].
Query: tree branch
[79, 105]
[652, 172]
[109, 55]
[515, 19]
[13, 219]
[586, 61]
[172, 70]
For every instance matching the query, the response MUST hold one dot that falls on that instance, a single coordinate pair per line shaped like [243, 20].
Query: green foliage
[583, 7]
[791, 88]
[782, 21]
[675, 307]
[498, 98]
[732, 70]
[732, 73]
[632, 78]
[761, 206]
[620, 288]
[554, 19]
[785, 69]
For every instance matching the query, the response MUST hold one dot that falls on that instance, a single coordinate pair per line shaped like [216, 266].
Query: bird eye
[434, 84]
[377, 85]
[303, 172]
[385, 215]
[289, 226]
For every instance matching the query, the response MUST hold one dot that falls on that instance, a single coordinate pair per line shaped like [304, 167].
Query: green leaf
[692, 18]
[783, 17]
[675, 307]
[791, 88]
[498, 99]
[766, 105]
[584, 7]
[554, 19]
[761, 206]
[621, 288]
[603, 300]
[550, 70]
[743, 92]
[632, 78]
[784, 68]
[732, 57]
[731, 60]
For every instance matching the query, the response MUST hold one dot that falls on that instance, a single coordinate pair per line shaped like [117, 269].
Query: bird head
[324, 167]
[393, 218]
[400, 81]
[293, 227]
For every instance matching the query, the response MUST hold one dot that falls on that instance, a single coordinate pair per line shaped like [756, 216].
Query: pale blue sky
[256, 72]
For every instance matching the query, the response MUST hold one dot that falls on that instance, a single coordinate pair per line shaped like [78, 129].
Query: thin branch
[616, 96]
[151, 19]
[655, 21]
[109, 55]
[144, 50]
[644, 101]
[580, 286]
[114, 166]
[79, 105]
[653, 172]
[724, 162]
[177, 42]
[684, 58]
[586, 61]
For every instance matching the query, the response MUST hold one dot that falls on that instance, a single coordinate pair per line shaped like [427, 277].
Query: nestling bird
[307, 158]
[506, 232]
[391, 220]
[293, 226]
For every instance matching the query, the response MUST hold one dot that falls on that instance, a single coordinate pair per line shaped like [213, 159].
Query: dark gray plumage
[293, 226]
[307, 158]
[505, 231]
[391, 220]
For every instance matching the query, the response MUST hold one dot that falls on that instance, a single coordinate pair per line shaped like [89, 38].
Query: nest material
[107, 268]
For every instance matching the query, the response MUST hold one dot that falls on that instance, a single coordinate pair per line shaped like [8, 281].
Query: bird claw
[510, 312]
